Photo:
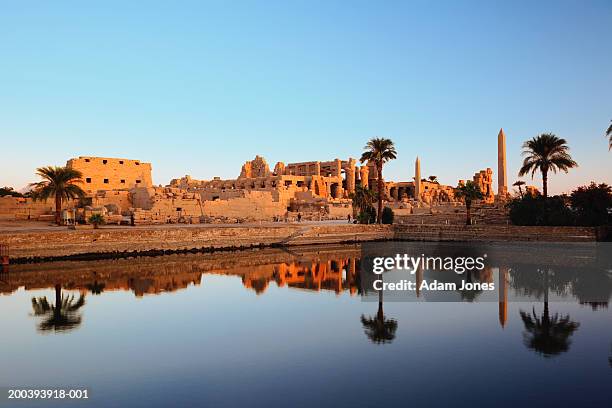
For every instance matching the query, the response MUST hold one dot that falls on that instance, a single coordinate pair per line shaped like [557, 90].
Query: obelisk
[417, 180]
[502, 180]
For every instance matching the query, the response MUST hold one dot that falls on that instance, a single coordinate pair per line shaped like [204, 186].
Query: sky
[198, 87]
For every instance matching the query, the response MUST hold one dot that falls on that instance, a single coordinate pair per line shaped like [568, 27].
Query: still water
[291, 328]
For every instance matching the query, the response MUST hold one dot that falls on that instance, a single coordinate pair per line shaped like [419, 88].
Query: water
[286, 328]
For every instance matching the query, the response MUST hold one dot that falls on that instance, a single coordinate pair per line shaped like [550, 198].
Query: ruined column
[502, 181]
[350, 176]
[338, 167]
[364, 175]
[417, 180]
[317, 168]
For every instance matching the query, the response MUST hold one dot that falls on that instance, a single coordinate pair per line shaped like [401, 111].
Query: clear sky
[200, 87]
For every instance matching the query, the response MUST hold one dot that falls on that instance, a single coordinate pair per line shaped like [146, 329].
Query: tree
[545, 153]
[9, 191]
[60, 183]
[362, 198]
[609, 134]
[519, 184]
[433, 179]
[61, 316]
[379, 151]
[469, 192]
[387, 215]
[537, 210]
[591, 203]
[96, 220]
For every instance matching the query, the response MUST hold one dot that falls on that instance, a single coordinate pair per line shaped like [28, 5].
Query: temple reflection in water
[329, 268]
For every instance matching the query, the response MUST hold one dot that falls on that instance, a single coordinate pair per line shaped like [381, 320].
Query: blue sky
[200, 87]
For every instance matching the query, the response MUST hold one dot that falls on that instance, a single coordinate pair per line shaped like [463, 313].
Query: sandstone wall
[19, 208]
[256, 205]
[103, 173]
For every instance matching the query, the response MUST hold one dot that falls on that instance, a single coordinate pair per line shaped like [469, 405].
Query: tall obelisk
[502, 180]
[417, 180]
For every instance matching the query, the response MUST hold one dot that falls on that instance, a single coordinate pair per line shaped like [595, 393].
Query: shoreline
[118, 243]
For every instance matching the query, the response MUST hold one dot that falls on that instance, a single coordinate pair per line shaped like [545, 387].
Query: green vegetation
[545, 153]
[379, 151]
[387, 216]
[96, 220]
[540, 210]
[362, 200]
[586, 206]
[591, 204]
[61, 183]
[9, 191]
[519, 184]
[468, 192]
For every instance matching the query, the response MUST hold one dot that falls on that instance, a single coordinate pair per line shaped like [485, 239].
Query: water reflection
[548, 335]
[62, 315]
[378, 328]
[330, 268]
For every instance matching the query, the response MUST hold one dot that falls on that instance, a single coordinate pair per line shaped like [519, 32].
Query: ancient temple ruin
[122, 189]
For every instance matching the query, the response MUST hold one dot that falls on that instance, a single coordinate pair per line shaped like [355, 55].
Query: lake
[302, 327]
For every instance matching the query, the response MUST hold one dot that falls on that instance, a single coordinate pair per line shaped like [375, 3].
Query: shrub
[540, 210]
[591, 204]
[387, 216]
[367, 216]
[97, 219]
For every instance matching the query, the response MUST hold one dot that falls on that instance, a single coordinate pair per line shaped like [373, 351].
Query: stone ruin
[123, 190]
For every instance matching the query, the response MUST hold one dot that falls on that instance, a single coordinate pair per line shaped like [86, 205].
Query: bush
[367, 216]
[387, 216]
[97, 219]
[591, 204]
[552, 211]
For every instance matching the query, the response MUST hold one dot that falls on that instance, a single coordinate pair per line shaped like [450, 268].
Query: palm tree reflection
[379, 329]
[61, 316]
[547, 335]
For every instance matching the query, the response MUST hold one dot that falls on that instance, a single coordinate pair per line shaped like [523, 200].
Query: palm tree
[379, 329]
[469, 191]
[546, 152]
[61, 316]
[379, 151]
[60, 183]
[609, 134]
[519, 184]
[362, 198]
[547, 335]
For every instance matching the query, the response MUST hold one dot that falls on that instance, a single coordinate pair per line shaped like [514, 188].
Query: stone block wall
[102, 173]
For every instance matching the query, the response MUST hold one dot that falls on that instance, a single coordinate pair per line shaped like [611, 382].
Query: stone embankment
[45, 245]
[117, 242]
[498, 233]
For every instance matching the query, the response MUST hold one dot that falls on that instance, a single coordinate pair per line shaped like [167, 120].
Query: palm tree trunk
[521, 191]
[380, 192]
[58, 296]
[545, 183]
[58, 209]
